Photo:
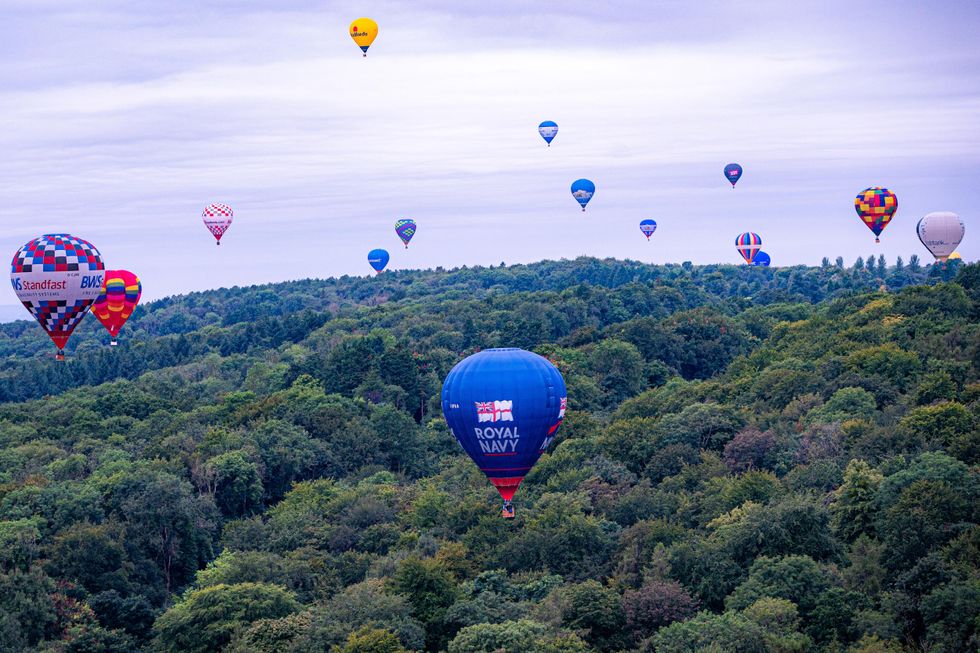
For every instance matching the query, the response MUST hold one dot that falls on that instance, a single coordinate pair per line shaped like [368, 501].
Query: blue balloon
[378, 258]
[582, 191]
[733, 172]
[548, 130]
[504, 406]
[761, 258]
[648, 227]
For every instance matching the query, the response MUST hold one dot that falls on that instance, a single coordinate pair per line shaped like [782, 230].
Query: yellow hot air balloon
[364, 31]
[954, 257]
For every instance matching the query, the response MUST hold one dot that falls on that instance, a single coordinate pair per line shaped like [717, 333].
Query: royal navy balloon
[56, 278]
[761, 259]
[504, 406]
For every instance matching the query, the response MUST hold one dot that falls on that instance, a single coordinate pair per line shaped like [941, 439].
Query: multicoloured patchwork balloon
[217, 218]
[733, 172]
[405, 230]
[648, 227]
[876, 206]
[121, 292]
[56, 278]
[748, 245]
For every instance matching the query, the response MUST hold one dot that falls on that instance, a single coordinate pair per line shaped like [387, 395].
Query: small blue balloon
[648, 227]
[582, 191]
[733, 172]
[761, 259]
[378, 258]
[548, 130]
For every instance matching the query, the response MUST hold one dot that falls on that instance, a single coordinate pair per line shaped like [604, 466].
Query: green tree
[522, 636]
[716, 633]
[854, 506]
[369, 640]
[205, 620]
[430, 589]
[795, 578]
[595, 613]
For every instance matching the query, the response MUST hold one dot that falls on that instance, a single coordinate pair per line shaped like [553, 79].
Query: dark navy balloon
[504, 406]
[378, 258]
[648, 227]
[733, 172]
[761, 259]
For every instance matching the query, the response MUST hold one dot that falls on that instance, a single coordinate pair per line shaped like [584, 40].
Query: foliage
[791, 451]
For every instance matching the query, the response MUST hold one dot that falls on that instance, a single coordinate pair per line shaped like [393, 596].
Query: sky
[123, 120]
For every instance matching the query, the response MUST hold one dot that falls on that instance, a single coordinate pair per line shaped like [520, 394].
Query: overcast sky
[122, 120]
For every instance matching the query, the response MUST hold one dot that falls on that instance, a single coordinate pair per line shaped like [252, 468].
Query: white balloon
[941, 232]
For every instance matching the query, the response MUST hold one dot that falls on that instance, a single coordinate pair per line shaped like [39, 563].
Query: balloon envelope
[876, 206]
[217, 218]
[548, 130]
[941, 232]
[761, 259]
[582, 191]
[364, 31]
[121, 292]
[56, 278]
[733, 172]
[378, 258]
[648, 227]
[504, 406]
[405, 230]
[748, 245]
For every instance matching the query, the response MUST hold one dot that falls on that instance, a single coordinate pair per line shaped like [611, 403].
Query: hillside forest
[753, 460]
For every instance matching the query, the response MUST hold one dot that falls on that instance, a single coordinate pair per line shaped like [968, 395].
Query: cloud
[130, 117]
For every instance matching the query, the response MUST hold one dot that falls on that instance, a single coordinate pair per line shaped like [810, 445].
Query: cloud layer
[125, 122]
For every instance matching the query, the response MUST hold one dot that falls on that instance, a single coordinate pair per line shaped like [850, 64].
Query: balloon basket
[507, 512]
[60, 356]
[113, 343]
[218, 243]
[877, 240]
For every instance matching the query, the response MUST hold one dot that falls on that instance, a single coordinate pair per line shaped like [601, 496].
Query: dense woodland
[753, 460]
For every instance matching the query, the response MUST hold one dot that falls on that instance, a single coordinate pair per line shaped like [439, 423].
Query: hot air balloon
[548, 130]
[504, 406]
[733, 172]
[955, 256]
[748, 245]
[364, 31]
[582, 191]
[941, 232]
[217, 218]
[378, 258]
[405, 230]
[876, 206]
[761, 259]
[648, 227]
[56, 278]
[121, 292]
